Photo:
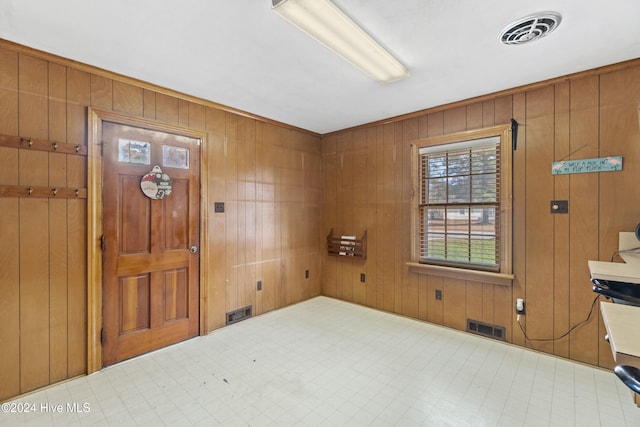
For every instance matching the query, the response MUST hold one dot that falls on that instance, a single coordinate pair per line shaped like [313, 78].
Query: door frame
[95, 118]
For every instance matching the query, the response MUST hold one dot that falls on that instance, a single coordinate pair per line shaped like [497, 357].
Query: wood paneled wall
[368, 187]
[269, 176]
[284, 189]
[270, 179]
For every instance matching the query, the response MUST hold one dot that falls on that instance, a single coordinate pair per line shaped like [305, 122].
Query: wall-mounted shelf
[347, 246]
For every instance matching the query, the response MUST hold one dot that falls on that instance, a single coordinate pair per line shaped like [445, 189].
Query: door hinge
[102, 244]
[101, 336]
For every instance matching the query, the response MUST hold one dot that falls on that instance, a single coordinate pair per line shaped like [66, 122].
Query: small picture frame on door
[130, 151]
[175, 157]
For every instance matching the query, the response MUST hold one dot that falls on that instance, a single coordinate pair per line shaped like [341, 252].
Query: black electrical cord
[623, 251]
[593, 304]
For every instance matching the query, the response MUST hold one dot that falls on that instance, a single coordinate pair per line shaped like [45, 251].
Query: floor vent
[238, 315]
[485, 329]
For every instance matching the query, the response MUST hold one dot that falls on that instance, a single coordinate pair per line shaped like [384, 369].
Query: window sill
[500, 279]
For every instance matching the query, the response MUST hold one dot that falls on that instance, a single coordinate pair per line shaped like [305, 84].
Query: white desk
[629, 270]
[616, 271]
[621, 322]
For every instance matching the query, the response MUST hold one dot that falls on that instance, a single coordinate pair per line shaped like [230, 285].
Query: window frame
[504, 273]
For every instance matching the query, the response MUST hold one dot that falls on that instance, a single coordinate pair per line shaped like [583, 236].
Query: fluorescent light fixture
[323, 21]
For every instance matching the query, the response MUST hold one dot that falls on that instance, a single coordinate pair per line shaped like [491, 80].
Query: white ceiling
[241, 54]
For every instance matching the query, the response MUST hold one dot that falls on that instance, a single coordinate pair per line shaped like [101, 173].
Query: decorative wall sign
[602, 164]
[156, 184]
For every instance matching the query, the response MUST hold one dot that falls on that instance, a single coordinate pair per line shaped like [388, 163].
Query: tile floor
[325, 362]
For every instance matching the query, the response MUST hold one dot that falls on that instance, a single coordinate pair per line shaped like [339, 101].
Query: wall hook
[78, 148]
[29, 190]
[77, 192]
[55, 191]
[514, 134]
[55, 145]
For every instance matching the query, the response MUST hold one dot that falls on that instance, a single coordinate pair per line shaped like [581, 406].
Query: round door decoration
[156, 184]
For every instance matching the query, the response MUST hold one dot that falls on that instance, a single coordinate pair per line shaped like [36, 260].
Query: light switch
[559, 206]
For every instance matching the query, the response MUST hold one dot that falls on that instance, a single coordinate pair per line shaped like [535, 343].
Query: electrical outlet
[218, 207]
[306, 274]
[363, 278]
[259, 285]
[438, 294]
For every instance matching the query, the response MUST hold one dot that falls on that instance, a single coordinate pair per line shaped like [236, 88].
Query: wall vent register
[485, 329]
[239, 314]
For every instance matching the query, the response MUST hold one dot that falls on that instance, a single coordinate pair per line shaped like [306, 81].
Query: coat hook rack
[42, 192]
[42, 145]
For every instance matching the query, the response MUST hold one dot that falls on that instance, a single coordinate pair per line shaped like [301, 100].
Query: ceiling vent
[530, 28]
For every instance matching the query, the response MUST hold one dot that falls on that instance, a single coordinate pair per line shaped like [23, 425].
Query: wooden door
[151, 261]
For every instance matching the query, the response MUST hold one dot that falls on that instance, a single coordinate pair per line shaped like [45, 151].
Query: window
[463, 214]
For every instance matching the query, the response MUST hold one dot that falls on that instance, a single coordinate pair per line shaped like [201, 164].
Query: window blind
[460, 204]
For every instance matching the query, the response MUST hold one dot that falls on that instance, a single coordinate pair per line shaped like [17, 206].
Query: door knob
[193, 249]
